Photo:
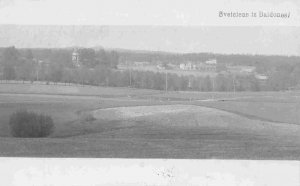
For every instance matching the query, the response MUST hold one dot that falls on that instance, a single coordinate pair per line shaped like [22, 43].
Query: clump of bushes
[30, 125]
[88, 117]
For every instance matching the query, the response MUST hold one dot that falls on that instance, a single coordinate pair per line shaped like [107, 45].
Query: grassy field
[132, 123]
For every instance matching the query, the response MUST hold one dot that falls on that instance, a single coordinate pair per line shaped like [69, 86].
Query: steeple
[75, 58]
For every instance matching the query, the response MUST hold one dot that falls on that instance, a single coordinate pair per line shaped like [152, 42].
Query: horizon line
[152, 51]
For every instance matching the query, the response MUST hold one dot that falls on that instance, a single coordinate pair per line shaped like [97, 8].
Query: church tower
[75, 58]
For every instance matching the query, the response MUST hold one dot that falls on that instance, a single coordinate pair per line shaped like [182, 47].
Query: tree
[10, 59]
[102, 59]
[30, 125]
[114, 59]
[87, 57]
[107, 59]
[61, 58]
[29, 54]
[25, 70]
[101, 75]
[207, 84]
[27, 67]
[56, 73]
[68, 75]
[10, 56]
[9, 72]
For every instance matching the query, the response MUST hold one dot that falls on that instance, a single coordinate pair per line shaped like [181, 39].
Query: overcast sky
[280, 39]
[145, 12]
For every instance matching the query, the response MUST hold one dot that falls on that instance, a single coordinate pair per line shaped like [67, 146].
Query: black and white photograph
[154, 86]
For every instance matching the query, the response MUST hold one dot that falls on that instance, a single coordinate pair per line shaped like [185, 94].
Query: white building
[261, 77]
[182, 66]
[204, 67]
[211, 62]
[160, 67]
[241, 69]
[141, 63]
[187, 66]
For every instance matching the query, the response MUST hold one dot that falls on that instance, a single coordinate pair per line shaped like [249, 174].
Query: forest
[99, 68]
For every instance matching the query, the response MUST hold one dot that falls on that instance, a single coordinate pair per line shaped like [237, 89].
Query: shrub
[88, 117]
[30, 125]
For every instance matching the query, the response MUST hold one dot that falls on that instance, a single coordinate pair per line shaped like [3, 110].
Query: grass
[253, 128]
[77, 90]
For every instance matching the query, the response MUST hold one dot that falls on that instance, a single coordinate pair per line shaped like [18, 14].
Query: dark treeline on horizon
[99, 67]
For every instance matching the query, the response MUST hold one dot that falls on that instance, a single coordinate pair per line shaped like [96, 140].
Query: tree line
[263, 63]
[99, 68]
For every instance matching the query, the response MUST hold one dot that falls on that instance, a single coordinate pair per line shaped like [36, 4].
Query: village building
[239, 69]
[203, 67]
[261, 77]
[207, 66]
[160, 67]
[211, 62]
[182, 66]
[187, 66]
[141, 63]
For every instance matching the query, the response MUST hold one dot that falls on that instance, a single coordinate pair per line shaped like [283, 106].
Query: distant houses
[261, 77]
[207, 66]
[211, 62]
[187, 66]
[141, 63]
[213, 66]
[241, 69]
[160, 67]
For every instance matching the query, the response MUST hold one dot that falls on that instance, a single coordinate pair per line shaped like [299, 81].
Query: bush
[88, 118]
[30, 125]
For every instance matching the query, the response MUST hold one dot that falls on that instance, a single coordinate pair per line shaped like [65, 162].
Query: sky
[143, 12]
[253, 35]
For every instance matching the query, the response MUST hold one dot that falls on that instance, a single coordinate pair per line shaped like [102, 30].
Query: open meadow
[136, 123]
